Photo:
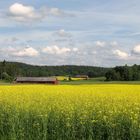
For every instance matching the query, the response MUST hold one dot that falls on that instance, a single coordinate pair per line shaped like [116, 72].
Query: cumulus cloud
[120, 54]
[58, 50]
[100, 43]
[29, 52]
[19, 9]
[22, 13]
[136, 50]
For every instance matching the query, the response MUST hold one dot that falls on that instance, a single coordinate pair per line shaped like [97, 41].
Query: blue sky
[76, 32]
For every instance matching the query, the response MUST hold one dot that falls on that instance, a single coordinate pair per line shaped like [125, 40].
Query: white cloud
[22, 13]
[120, 54]
[75, 49]
[56, 50]
[20, 10]
[30, 52]
[136, 49]
[100, 43]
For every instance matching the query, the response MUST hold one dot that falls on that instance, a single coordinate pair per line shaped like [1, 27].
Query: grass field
[70, 112]
[99, 80]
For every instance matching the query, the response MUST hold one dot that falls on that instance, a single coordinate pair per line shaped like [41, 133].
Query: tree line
[11, 70]
[124, 73]
[14, 69]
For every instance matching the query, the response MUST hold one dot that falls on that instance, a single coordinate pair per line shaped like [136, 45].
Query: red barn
[43, 80]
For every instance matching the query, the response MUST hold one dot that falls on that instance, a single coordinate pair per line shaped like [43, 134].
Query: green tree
[6, 77]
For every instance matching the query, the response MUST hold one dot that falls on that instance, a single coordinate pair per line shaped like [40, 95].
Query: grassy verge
[99, 80]
[2, 82]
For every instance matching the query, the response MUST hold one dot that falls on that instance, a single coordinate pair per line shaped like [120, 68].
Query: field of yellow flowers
[70, 112]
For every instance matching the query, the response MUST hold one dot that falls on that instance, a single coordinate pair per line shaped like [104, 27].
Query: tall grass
[84, 112]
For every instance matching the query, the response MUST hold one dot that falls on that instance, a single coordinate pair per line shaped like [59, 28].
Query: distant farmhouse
[43, 80]
[82, 76]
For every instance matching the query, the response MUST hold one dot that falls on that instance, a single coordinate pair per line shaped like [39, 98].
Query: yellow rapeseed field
[66, 78]
[70, 112]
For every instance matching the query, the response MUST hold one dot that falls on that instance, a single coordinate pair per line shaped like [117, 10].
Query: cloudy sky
[72, 32]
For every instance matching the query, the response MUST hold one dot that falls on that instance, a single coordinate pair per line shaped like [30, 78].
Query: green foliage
[124, 73]
[6, 77]
[15, 69]
[112, 75]
[70, 78]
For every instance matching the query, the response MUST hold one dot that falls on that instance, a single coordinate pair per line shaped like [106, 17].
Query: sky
[70, 32]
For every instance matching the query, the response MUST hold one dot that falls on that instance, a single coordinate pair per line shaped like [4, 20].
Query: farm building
[43, 80]
[82, 76]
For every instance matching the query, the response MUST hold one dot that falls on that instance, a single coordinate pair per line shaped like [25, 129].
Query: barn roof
[36, 79]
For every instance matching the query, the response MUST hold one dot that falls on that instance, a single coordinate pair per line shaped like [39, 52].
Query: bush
[6, 77]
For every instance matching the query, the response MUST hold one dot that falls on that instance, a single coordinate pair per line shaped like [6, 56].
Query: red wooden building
[43, 80]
